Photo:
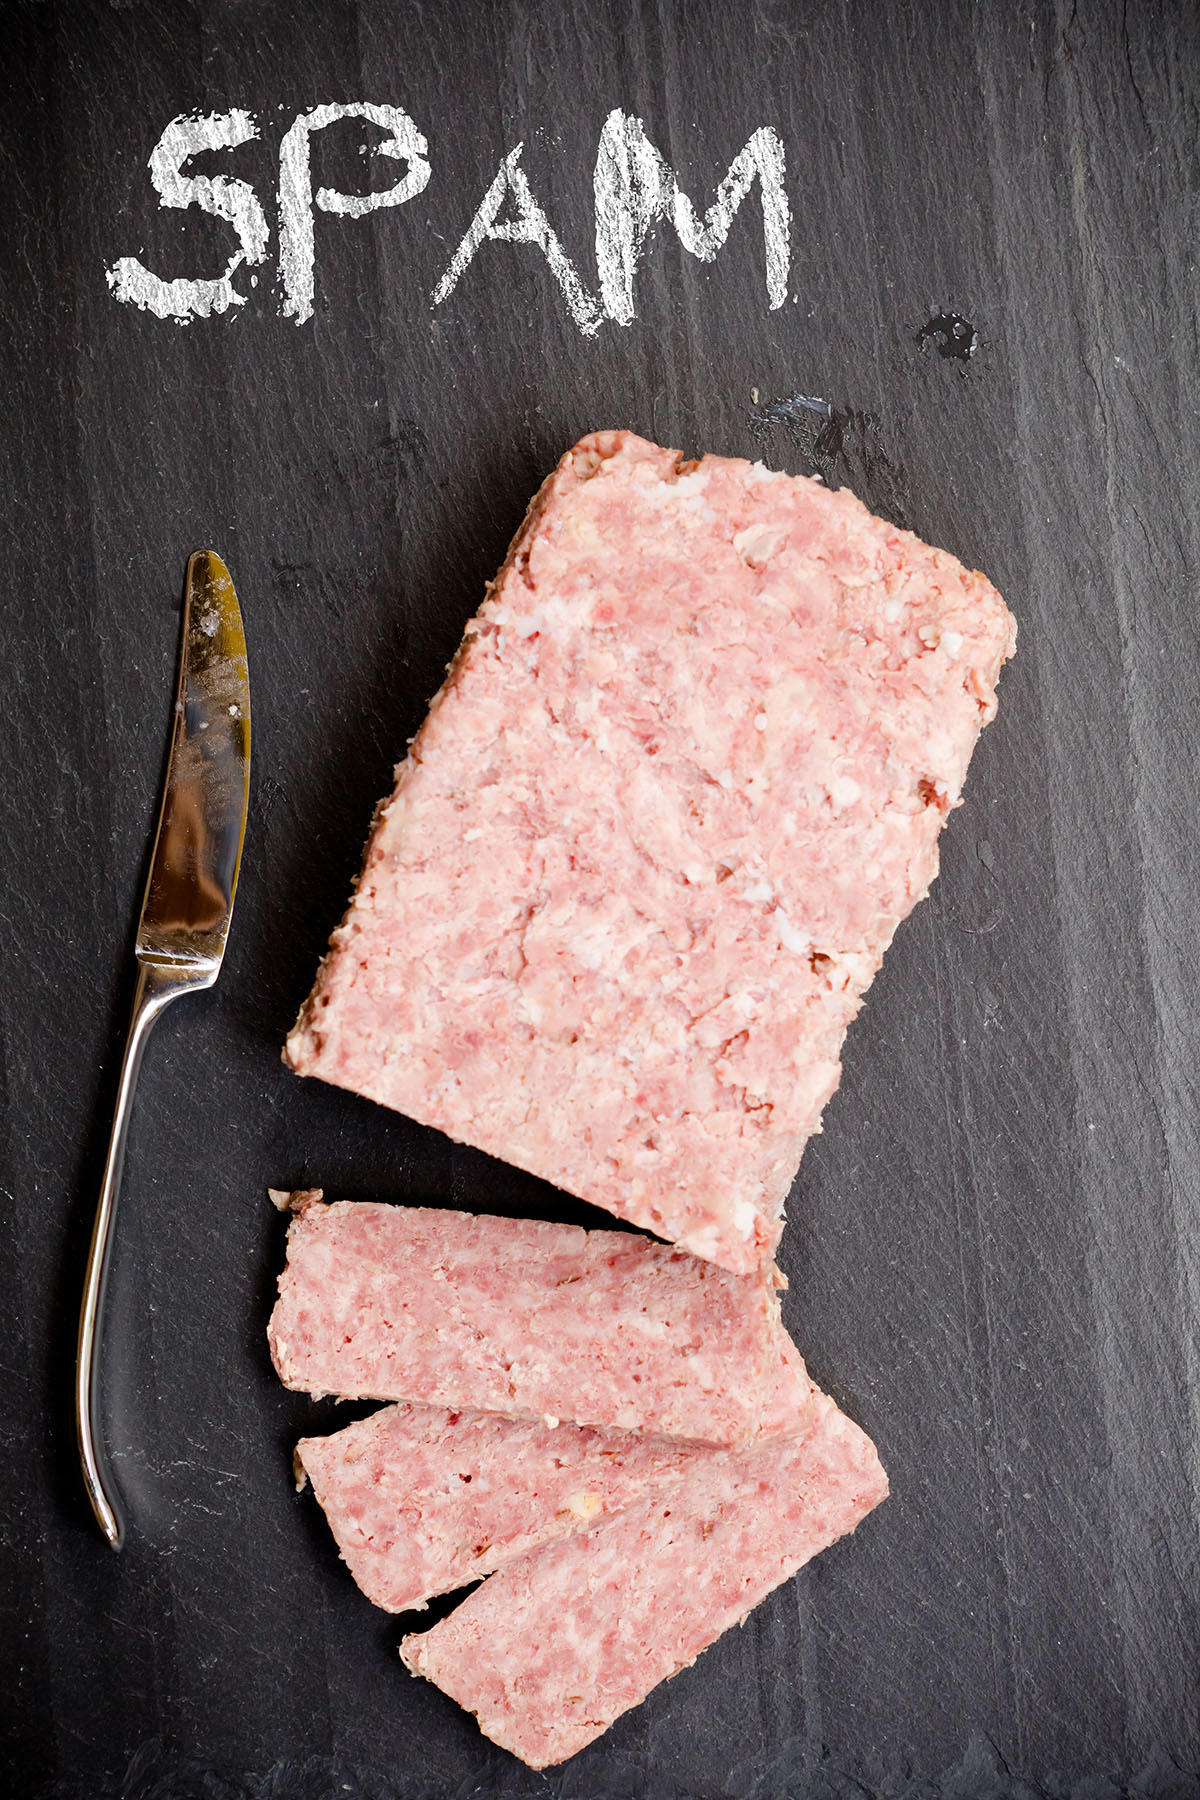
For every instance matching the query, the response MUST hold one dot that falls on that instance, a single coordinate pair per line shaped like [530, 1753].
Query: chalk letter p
[296, 198]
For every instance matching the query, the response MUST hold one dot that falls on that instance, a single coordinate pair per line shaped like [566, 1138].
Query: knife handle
[157, 986]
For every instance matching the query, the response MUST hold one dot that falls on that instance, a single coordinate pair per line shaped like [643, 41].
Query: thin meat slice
[685, 777]
[521, 1317]
[422, 1501]
[551, 1650]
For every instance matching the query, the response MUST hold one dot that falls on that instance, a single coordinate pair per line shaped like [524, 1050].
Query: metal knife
[183, 927]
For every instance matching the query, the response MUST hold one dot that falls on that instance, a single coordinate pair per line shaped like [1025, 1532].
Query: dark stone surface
[995, 1246]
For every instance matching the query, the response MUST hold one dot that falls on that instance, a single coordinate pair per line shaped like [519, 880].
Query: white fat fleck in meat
[744, 1216]
[844, 791]
[584, 1506]
[759, 892]
[757, 544]
[789, 937]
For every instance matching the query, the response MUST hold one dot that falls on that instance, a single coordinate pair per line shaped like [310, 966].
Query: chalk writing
[633, 188]
[296, 199]
[221, 195]
[530, 226]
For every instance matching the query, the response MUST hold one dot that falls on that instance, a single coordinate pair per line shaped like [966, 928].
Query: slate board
[995, 1246]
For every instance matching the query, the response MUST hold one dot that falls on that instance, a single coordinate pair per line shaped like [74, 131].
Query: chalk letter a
[634, 186]
[226, 198]
[529, 226]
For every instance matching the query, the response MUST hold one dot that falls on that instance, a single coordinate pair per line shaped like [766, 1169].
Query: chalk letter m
[634, 186]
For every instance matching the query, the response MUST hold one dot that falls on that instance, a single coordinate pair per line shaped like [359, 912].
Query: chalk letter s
[186, 136]
[296, 200]
[634, 186]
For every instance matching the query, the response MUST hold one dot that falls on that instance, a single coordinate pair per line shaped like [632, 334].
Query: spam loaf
[612, 1557]
[521, 1317]
[554, 1648]
[422, 1500]
[684, 779]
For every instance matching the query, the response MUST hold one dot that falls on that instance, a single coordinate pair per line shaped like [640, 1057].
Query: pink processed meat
[551, 1650]
[684, 779]
[521, 1317]
[422, 1501]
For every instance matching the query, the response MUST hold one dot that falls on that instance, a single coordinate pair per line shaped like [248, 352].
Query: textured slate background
[995, 1246]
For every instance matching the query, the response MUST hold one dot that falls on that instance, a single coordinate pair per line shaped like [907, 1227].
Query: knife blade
[182, 930]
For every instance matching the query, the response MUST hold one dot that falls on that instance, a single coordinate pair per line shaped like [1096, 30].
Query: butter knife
[183, 926]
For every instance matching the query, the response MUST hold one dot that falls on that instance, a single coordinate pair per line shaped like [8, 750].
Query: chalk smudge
[810, 423]
[840, 445]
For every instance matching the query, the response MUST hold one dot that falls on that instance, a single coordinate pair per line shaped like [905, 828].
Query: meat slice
[521, 1317]
[422, 1501]
[551, 1650]
[685, 777]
